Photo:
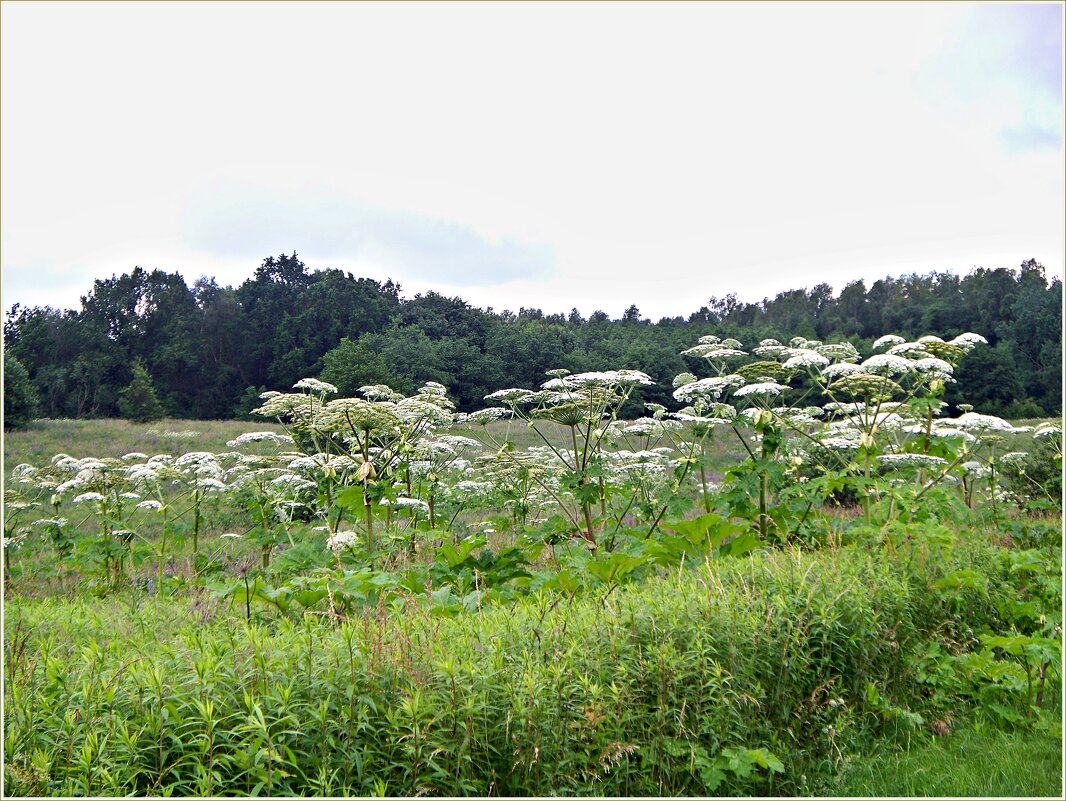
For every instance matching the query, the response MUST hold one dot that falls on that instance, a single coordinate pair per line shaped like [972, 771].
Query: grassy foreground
[748, 676]
[984, 763]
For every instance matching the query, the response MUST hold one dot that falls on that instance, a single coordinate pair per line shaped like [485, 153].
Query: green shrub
[686, 685]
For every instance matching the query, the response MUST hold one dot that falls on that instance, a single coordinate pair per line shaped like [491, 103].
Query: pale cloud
[245, 224]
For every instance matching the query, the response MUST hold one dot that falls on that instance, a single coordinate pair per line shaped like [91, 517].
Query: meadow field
[857, 592]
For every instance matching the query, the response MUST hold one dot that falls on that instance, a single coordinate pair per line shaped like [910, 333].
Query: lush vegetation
[812, 558]
[211, 350]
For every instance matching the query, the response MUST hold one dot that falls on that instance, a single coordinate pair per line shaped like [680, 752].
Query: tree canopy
[209, 350]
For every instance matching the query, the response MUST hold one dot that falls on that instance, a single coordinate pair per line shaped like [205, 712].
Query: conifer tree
[138, 402]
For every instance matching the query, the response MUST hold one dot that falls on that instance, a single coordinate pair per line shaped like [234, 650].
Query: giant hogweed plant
[118, 496]
[586, 404]
[377, 434]
[878, 418]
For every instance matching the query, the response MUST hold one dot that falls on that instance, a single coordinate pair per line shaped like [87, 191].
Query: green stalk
[703, 480]
[162, 556]
[866, 488]
[992, 482]
[368, 508]
[763, 489]
[197, 497]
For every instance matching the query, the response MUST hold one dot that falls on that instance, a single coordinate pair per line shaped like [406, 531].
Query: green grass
[633, 692]
[966, 763]
[43, 439]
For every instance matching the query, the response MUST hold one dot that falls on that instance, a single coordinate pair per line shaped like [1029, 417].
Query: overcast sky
[547, 155]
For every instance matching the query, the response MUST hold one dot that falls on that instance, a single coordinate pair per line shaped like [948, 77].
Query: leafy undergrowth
[764, 674]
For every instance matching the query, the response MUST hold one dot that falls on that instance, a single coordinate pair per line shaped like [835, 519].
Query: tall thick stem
[162, 556]
[197, 497]
[866, 488]
[368, 510]
[590, 536]
[992, 485]
[764, 527]
[703, 484]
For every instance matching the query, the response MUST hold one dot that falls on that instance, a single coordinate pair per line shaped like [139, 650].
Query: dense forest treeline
[210, 350]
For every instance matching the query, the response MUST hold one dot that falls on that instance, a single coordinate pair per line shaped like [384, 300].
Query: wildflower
[605, 378]
[699, 420]
[260, 436]
[299, 406]
[767, 388]
[840, 443]
[708, 388]
[797, 416]
[972, 421]
[657, 410]
[315, 385]
[473, 487]
[910, 350]
[457, 442]
[839, 352]
[650, 427]
[763, 371]
[871, 387]
[887, 340]
[379, 392]
[90, 463]
[150, 505]
[842, 369]
[483, 417]
[934, 368]
[411, 503]
[88, 496]
[714, 352]
[356, 414]
[291, 482]
[341, 540]
[911, 460]
[1047, 428]
[416, 410]
[888, 364]
[771, 348]
[802, 358]
[433, 388]
[968, 340]
[513, 395]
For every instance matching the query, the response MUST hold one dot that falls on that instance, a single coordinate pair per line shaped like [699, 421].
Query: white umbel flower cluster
[765, 388]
